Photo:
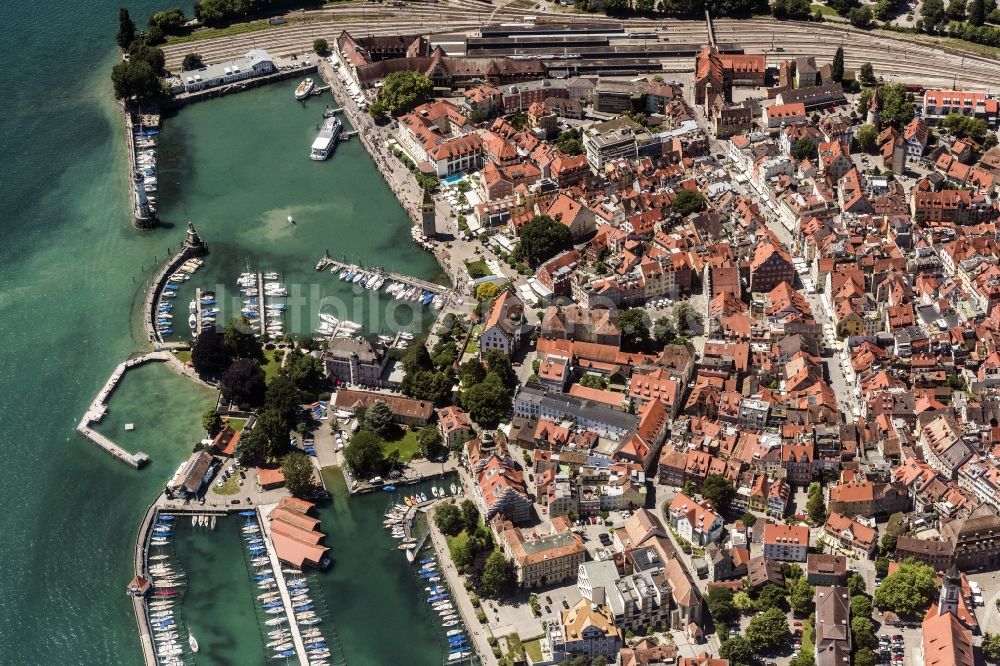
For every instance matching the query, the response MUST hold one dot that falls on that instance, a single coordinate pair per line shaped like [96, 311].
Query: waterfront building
[354, 361]
[256, 62]
[191, 476]
[296, 536]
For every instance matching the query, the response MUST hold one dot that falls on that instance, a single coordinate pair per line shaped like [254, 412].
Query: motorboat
[304, 89]
[291, 220]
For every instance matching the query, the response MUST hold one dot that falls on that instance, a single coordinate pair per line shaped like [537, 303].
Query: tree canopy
[400, 92]
[135, 78]
[815, 505]
[251, 449]
[320, 46]
[792, 10]
[542, 238]
[448, 518]
[908, 591]
[378, 419]
[991, 647]
[498, 578]
[488, 401]
[298, 473]
[211, 421]
[430, 442]
[472, 372]
[192, 61]
[365, 456]
[804, 149]
[487, 290]
[738, 651]
[687, 202]
[498, 363]
[867, 137]
[633, 325]
[240, 339]
[801, 596]
[126, 29]
[837, 68]
[209, 354]
[243, 383]
[768, 630]
[720, 605]
[964, 126]
[719, 491]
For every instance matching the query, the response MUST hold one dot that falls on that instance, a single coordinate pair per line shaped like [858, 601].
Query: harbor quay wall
[138, 221]
[184, 99]
[363, 125]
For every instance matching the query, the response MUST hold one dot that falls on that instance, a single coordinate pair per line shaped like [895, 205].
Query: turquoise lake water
[71, 269]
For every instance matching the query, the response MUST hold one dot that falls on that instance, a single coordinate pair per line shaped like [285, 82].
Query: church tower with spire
[951, 588]
[874, 109]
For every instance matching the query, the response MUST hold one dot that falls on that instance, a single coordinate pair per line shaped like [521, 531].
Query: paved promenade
[479, 633]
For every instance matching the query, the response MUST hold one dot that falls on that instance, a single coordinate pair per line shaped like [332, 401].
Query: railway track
[895, 59]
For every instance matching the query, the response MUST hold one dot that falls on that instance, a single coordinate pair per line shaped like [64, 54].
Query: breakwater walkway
[99, 407]
[193, 247]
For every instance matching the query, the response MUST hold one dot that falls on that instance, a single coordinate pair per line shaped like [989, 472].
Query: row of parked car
[891, 650]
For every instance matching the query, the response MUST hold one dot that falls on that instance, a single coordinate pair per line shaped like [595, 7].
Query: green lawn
[406, 445]
[184, 356]
[472, 346]
[271, 365]
[823, 9]
[230, 487]
[236, 424]
[456, 542]
[257, 26]
[807, 637]
[533, 649]
[477, 268]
